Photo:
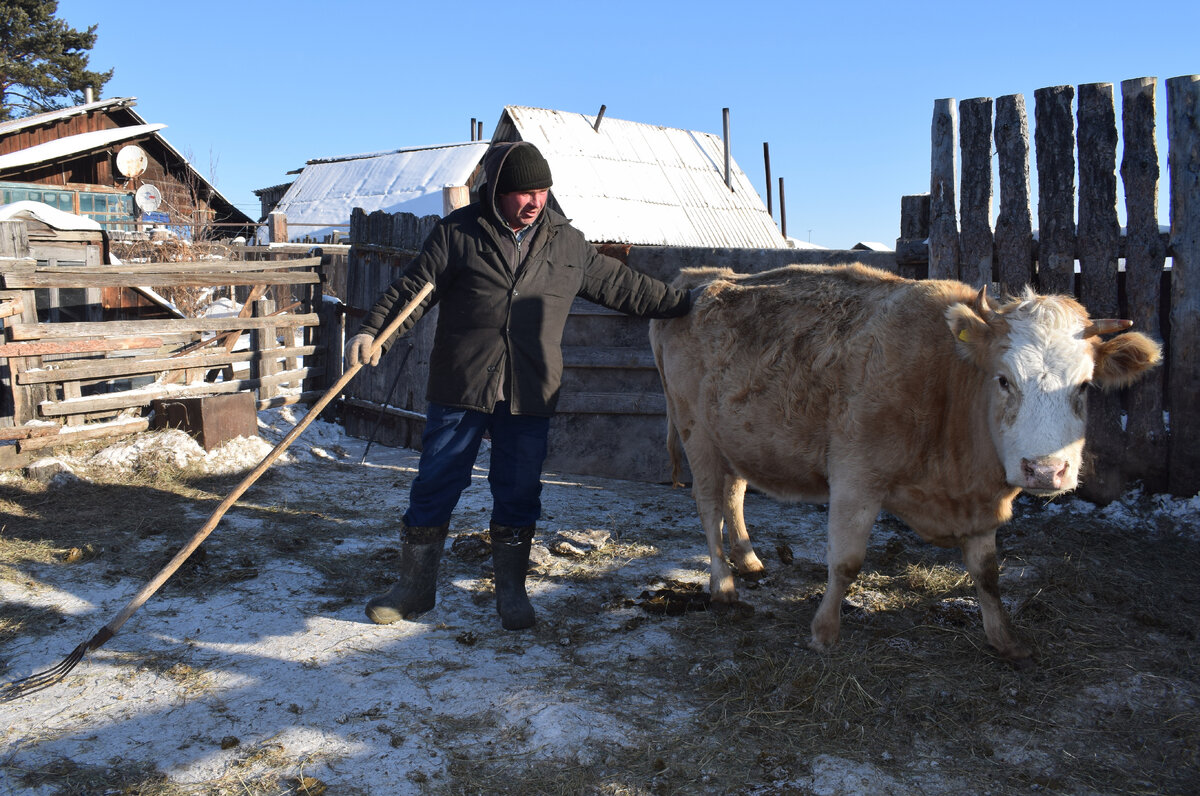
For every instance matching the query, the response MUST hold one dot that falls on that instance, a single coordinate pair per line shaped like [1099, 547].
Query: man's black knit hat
[524, 170]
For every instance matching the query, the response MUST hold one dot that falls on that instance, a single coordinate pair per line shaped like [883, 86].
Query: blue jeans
[449, 447]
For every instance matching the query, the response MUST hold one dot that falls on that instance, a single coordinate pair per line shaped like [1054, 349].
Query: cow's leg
[709, 474]
[979, 555]
[851, 517]
[740, 549]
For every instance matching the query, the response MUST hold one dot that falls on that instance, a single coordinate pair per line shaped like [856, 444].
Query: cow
[852, 386]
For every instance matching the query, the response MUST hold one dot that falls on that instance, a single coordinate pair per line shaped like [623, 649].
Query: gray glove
[358, 351]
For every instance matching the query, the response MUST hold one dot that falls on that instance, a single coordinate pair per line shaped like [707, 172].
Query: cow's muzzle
[1047, 474]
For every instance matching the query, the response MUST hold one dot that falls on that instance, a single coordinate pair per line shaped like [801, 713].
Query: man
[505, 270]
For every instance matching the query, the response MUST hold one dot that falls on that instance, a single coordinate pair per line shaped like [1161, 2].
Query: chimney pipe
[599, 117]
[479, 134]
[767, 163]
[88, 99]
[725, 132]
[782, 211]
[472, 128]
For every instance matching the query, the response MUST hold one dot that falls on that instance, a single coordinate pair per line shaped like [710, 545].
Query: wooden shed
[104, 161]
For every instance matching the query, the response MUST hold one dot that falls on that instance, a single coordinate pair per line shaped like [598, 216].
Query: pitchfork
[41, 680]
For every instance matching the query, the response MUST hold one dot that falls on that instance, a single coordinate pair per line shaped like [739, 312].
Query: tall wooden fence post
[1014, 224]
[1145, 252]
[1098, 247]
[1054, 143]
[943, 219]
[975, 202]
[912, 247]
[1183, 158]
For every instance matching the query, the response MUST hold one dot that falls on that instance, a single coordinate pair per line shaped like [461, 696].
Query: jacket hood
[493, 160]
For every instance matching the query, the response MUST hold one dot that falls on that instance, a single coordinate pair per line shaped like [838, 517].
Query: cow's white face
[1041, 355]
[1038, 396]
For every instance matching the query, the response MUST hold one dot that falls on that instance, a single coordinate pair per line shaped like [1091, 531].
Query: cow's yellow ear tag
[962, 335]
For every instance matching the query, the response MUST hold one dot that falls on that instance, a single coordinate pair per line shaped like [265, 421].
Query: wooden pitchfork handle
[38, 681]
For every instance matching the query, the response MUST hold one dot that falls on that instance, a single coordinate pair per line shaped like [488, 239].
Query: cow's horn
[980, 305]
[1106, 326]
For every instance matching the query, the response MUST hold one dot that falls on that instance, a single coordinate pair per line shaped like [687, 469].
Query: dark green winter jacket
[495, 323]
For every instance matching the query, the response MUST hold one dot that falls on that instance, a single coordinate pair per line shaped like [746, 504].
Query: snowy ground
[267, 683]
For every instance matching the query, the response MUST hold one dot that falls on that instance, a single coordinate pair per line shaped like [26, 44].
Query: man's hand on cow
[358, 351]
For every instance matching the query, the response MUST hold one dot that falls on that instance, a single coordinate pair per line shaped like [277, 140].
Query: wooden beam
[78, 346]
[96, 370]
[44, 278]
[84, 433]
[58, 331]
[143, 397]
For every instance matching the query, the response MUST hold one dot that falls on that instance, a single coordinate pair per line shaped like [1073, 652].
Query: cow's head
[1041, 355]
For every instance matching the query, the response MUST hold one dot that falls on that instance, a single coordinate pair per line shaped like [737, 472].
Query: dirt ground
[254, 670]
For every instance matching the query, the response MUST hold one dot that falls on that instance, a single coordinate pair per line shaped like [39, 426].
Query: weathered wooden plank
[11, 307]
[143, 397]
[1145, 252]
[25, 432]
[191, 267]
[83, 434]
[24, 398]
[613, 403]
[1099, 234]
[1054, 141]
[78, 346]
[943, 221]
[1099, 230]
[14, 240]
[98, 370]
[59, 278]
[975, 203]
[610, 357]
[1183, 158]
[45, 331]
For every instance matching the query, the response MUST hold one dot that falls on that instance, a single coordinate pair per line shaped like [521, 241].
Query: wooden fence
[1150, 432]
[67, 382]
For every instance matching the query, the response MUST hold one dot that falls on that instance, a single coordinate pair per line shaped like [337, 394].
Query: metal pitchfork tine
[41, 680]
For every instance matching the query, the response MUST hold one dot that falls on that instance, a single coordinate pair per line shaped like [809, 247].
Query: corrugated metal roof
[71, 145]
[637, 183]
[408, 180]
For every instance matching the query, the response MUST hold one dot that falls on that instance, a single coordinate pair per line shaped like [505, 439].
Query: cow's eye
[1002, 380]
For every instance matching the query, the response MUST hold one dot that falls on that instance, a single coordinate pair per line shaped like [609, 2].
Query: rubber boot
[510, 560]
[416, 590]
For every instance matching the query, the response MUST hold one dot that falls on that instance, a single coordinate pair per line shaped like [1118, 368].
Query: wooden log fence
[1149, 433]
[68, 382]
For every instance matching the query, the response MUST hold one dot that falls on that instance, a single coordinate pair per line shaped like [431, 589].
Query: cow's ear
[973, 336]
[1121, 360]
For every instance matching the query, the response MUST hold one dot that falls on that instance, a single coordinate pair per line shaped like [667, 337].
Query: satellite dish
[132, 161]
[148, 198]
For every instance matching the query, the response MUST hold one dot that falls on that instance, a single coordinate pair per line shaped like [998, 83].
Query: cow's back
[795, 368]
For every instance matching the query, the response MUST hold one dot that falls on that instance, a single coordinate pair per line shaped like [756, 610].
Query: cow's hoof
[734, 610]
[819, 646]
[1022, 664]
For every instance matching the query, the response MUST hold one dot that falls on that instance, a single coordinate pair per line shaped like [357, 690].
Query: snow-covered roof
[83, 142]
[634, 183]
[408, 180]
[61, 148]
[16, 125]
[50, 216]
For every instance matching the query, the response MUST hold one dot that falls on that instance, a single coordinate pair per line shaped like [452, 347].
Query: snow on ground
[267, 671]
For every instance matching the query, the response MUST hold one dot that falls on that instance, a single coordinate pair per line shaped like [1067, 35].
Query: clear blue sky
[842, 91]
